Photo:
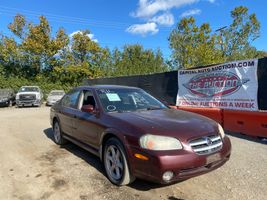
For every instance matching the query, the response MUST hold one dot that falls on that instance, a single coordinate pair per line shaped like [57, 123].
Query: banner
[231, 86]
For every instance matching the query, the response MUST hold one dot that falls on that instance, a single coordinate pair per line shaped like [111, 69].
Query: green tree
[135, 60]
[237, 38]
[35, 49]
[83, 48]
[19, 25]
[192, 45]
[40, 47]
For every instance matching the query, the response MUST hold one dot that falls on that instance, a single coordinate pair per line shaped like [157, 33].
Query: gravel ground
[32, 166]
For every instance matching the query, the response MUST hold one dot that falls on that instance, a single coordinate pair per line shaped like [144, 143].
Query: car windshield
[127, 100]
[56, 93]
[4, 92]
[29, 89]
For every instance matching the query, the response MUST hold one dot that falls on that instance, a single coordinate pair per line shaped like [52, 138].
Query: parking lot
[33, 167]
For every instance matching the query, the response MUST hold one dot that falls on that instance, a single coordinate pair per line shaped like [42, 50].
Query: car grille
[206, 145]
[27, 97]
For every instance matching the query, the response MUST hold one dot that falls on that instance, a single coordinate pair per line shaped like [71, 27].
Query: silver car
[54, 96]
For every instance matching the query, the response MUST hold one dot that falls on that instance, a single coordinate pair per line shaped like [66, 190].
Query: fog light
[167, 176]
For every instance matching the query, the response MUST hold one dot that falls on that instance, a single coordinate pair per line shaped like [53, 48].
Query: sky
[118, 22]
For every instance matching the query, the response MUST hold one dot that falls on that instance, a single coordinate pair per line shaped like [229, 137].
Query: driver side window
[88, 98]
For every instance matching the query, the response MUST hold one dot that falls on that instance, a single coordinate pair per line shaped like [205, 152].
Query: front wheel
[115, 162]
[58, 134]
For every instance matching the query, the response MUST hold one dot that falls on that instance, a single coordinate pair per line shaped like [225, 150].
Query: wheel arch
[105, 138]
[54, 119]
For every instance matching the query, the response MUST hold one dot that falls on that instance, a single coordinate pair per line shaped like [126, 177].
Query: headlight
[221, 131]
[38, 96]
[159, 143]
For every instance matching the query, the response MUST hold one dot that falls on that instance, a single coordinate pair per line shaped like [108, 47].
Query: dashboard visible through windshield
[29, 89]
[127, 100]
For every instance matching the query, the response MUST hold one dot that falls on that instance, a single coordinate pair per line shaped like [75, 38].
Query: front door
[88, 125]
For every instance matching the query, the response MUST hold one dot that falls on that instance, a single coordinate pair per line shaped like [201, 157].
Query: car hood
[175, 123]
[57, 97]
[27, 93]
[2, 96]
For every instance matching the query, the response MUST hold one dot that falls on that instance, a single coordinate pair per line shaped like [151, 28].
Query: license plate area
[213, 158]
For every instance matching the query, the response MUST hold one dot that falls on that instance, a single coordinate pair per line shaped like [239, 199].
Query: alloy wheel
[114, 163]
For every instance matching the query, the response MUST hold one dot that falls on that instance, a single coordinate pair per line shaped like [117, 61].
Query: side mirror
[88, 108]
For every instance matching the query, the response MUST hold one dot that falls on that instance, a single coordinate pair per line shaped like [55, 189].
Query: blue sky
[118, 22]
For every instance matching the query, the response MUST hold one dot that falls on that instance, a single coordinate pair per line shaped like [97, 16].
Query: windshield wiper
[154, 108]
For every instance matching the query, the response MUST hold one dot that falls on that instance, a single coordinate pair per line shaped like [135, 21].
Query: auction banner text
[232, 85]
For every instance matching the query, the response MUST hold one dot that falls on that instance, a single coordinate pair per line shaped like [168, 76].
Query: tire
[58, 134]
[116, 164]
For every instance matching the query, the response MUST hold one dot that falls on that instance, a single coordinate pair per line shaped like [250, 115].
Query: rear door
[68, 111]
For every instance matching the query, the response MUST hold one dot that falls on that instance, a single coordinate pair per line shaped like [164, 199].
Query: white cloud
[190, 13]
[90, 35]
[143, 29]
[156, 13]
[165, 19]
[148, 8]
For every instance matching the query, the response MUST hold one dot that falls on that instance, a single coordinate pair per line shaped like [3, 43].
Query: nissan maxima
[137, 136]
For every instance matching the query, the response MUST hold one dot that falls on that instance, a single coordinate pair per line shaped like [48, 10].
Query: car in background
[54, 96]
[135, 135]
[7, 97]
[29, 96]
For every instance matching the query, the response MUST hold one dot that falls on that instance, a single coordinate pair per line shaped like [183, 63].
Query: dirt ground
[32, 166]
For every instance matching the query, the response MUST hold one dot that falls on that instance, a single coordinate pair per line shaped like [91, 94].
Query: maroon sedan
[135, 135]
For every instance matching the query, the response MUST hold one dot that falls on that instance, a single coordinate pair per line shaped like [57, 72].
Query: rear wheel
[58, 134]
[115, 162]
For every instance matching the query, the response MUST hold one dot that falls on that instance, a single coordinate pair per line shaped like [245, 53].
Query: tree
[192, 45]
[18, 26]
[35, 49]
[83, 48]
[135, 60]
[40, 47]
[237, 38]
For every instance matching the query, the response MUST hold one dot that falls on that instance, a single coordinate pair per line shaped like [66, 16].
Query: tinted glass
[88, 98]
[56, 93]
[127, 100]
[29, 89]
[71, 99]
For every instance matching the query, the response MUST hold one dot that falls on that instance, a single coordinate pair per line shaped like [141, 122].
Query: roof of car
[106, 87]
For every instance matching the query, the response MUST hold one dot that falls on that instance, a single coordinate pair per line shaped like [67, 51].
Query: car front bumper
[4, 103]
[184, 164]
[50, 103]
[36, 102]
